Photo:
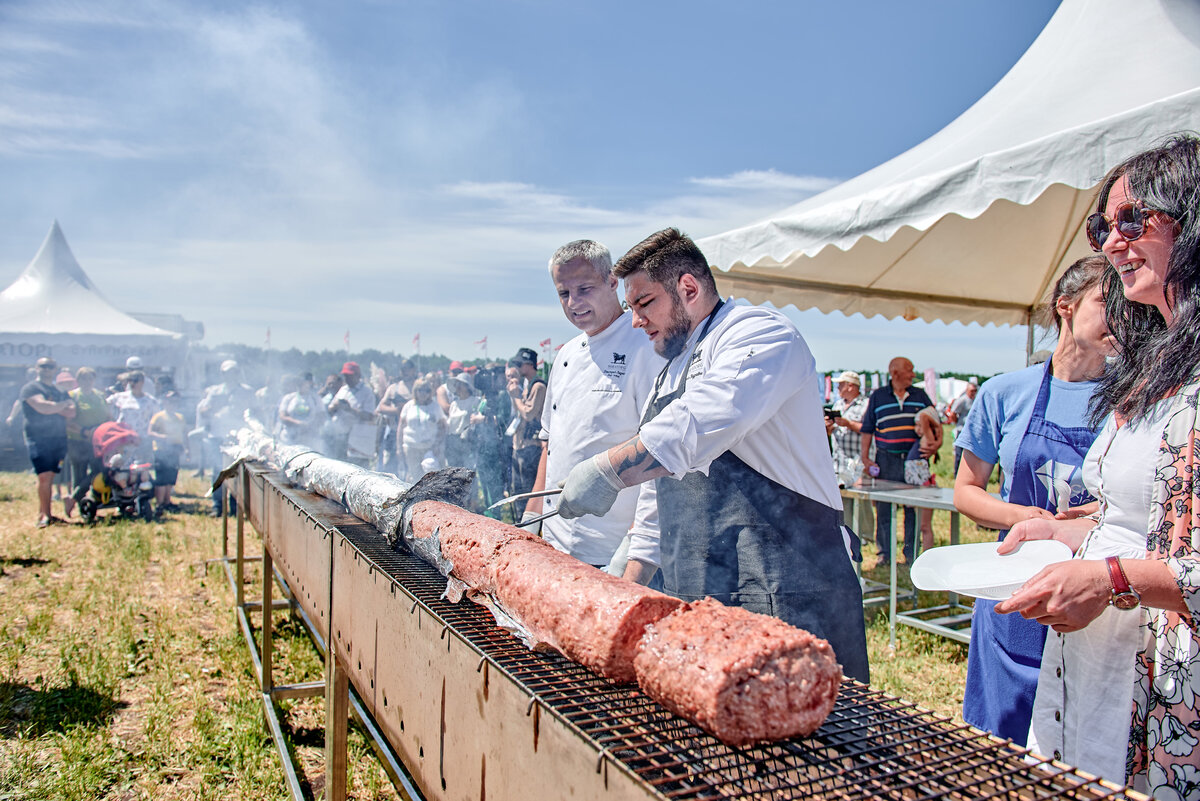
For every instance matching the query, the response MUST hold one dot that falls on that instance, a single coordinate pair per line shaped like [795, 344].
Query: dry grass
[123, 674]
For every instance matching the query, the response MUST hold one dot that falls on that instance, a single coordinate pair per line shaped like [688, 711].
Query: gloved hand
[589, 489]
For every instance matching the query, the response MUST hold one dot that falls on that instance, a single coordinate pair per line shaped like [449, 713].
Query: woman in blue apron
[1033, 423]
[748, 541]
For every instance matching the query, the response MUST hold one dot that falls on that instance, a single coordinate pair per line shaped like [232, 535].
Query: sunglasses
[1130, 223]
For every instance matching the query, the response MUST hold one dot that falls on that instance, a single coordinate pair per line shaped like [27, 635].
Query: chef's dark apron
[1006, 650]
[745, 540]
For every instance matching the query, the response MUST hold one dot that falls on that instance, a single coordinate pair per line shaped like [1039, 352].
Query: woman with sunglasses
[1117, 693]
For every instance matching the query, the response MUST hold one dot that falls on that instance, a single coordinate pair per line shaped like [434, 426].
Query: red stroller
[108, 440]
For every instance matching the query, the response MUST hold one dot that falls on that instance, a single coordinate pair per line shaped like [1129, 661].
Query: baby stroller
[120, 484]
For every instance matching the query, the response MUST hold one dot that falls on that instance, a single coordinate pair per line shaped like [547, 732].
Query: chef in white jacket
[734, 439]
[598, 385]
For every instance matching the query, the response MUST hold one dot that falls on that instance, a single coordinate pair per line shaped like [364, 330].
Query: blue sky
[395, 168]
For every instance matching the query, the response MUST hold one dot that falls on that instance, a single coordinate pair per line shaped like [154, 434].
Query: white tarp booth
[54, 309]
[975, 223]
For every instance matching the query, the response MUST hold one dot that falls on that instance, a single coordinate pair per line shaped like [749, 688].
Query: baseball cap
[525, 356]
[456, 365]
[351, 368]
[133, 363]
[849, 377]
[66, 379]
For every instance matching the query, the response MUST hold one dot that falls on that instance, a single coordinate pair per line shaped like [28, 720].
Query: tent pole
[1028, 336]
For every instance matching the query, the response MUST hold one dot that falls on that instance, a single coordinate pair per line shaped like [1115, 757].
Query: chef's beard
[675, 336]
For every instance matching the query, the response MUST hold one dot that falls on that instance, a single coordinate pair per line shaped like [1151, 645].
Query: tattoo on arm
[634, 464]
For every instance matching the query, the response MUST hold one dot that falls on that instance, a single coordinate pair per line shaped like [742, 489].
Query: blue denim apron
[741, 538]
[1006, 650]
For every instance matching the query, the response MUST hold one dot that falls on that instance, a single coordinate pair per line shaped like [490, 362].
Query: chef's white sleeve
[749, 371]
[644, 535]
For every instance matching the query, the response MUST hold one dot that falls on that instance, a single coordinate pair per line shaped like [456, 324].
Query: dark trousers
[891, 468]
[524, 473]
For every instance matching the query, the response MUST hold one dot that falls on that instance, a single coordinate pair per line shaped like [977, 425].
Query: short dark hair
[666, 256]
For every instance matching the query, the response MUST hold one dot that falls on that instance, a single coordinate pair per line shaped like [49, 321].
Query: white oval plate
[976, 569]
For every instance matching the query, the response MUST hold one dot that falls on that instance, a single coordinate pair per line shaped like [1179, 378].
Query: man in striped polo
[890, 423]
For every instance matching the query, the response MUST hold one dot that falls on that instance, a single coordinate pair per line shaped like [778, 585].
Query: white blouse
[1084, 698]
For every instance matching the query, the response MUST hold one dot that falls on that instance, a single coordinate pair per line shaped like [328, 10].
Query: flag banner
[417, 341]
[481, 342]
[545, 343]
[268, 336]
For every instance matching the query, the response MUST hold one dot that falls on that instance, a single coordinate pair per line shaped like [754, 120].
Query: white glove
[589, 489]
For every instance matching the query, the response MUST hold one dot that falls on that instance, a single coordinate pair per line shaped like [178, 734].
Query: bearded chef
[733, 441]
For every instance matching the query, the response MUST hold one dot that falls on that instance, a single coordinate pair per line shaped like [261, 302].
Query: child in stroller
[121, 483]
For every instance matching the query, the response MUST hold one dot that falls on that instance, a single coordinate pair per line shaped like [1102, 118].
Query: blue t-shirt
[1002, 411]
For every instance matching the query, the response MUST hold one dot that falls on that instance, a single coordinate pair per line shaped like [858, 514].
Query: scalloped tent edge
[976, 222]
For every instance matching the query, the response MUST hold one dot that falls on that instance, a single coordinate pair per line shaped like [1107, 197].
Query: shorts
[166, 468]
[46, 454]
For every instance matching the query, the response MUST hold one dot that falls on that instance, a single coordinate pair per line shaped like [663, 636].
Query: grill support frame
[503, 722]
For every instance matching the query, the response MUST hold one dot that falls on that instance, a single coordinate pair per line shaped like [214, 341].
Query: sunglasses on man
[1129, 220]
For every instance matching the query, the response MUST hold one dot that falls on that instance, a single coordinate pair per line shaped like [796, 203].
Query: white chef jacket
[752, 389]
[598, 386]
[1084, 700]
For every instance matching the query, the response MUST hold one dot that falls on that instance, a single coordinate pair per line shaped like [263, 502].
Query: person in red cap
[444, 394]
[352, 415]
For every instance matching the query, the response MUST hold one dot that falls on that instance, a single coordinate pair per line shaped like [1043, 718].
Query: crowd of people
[70, 442]
[688, 436]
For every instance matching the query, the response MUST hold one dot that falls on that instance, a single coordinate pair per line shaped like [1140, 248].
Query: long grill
[871, 746]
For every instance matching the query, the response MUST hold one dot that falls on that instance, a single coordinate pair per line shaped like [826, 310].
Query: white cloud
[769, 181]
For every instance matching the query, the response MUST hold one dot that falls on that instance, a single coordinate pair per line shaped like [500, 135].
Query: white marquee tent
[54, 309]
[976, 222]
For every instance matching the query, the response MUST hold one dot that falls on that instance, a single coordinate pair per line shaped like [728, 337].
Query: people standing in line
[528, 393]
[957, 414]
[422, 433]
[492, 450]
[91, 409]
[598, 385]
[734, 442]
[352, 413]
[301, 414]
[168, 435]
[46, 409]
[1118, 694]
[889, 425]
[1034, 424]
[134, 407]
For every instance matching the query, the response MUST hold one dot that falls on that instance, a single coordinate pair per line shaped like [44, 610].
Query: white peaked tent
[54, 309]
[976, 222]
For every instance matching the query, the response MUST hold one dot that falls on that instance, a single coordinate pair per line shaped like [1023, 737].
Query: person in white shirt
[734, 437]
[421, 432]
[352, 412]
[598, 385]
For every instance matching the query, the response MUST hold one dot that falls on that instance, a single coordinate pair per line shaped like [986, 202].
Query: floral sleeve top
[1164, 737]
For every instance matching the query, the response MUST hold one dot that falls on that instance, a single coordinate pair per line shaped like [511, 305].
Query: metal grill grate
[871, 746]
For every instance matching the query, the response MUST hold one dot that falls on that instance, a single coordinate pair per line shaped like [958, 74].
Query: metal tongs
[525, 496]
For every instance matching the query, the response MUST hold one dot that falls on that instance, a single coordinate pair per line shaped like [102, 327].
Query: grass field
[123, 674]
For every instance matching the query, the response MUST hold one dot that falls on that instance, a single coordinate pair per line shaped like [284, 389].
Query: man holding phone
[845, 423]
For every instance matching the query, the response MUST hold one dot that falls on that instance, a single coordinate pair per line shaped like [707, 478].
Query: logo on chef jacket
[616, 367]
[695, 368]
